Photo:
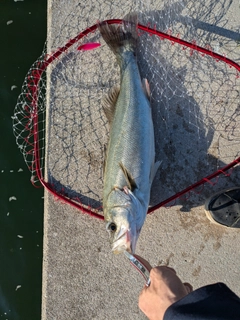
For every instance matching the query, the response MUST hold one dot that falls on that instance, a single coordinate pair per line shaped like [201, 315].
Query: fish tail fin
[121, 37]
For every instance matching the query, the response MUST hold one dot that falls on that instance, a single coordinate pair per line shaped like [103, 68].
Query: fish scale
[130, 157]
[131, 129]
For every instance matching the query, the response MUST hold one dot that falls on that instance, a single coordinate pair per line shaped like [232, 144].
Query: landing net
[194, 97]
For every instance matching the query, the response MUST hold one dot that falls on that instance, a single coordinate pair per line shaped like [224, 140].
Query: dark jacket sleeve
[215, 302]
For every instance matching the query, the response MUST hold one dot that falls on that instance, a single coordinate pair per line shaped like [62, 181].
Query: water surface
[22, 34]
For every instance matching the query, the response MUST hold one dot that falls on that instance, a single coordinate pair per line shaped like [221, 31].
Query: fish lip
[119, 249]
[121, 243]
[124, 243]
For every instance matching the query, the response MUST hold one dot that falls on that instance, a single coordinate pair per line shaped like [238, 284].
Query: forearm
[215, 302]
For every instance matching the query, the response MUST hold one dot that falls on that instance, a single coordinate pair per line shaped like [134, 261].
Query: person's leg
[223, 208]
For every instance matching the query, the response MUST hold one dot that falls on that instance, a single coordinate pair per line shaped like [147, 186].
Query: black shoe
[224, 208]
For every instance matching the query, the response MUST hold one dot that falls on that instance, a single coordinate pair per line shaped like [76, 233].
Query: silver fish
[130, 156]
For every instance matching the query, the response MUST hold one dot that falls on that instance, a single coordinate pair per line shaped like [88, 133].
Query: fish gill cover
[194, 98]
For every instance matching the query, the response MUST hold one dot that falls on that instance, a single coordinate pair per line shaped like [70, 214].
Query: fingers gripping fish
[130, 165]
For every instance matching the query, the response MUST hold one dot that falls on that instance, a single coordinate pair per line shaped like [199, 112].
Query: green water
[21, 220]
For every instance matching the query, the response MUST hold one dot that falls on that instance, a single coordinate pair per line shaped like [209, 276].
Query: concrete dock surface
[82, 278]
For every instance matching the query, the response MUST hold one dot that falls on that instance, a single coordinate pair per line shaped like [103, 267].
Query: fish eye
[112, 227]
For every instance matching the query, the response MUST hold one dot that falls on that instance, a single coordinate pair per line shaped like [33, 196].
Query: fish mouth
[123, 243]
[119, 248]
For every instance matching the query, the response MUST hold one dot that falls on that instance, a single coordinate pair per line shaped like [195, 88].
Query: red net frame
[31, 118]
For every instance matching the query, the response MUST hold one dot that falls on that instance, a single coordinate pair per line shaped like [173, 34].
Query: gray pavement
[82, 279]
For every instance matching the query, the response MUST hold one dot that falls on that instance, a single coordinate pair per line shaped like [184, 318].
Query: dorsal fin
[130, 181]
[109, 103]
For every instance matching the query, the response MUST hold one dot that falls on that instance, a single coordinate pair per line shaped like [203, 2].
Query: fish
[129, 165]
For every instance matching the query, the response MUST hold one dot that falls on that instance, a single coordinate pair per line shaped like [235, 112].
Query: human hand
[165, 289]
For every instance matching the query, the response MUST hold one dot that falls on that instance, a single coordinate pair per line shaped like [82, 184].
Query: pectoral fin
[154, 170]
[109, 103]
[104, 158]
[146, 88]
[130, 181]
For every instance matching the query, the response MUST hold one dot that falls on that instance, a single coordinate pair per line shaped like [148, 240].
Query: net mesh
[194, 98]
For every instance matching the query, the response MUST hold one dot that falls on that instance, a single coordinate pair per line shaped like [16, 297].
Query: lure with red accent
[89, 46]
